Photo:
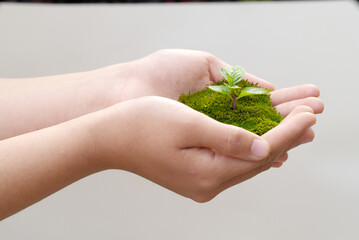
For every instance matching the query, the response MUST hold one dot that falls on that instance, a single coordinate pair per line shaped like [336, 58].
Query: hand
[287, 99]
[186, 151]
[166, 73]
[169, 73]
[157, 138]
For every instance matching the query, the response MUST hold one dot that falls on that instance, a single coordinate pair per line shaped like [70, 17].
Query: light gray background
[314, 196]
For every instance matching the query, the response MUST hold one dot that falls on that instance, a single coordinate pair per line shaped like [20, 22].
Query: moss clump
[254, 113]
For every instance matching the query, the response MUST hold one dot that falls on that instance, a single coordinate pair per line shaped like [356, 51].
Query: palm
[169, 73]
[174, 72]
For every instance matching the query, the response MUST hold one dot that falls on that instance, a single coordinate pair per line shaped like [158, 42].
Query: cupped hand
[171, 72]
[186, 151]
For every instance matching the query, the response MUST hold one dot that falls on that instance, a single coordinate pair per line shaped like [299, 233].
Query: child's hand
[169, 73]
[186, 151]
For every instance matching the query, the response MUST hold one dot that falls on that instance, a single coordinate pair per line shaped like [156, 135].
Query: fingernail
[259, 148]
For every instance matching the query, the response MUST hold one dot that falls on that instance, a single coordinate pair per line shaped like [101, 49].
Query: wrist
[107, 138]
[78, 143]
[113, 84]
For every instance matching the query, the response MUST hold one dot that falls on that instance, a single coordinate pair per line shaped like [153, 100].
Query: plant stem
[234, 101]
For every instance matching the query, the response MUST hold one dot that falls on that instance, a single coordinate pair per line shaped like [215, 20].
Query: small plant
[232, 76]
[225, 102]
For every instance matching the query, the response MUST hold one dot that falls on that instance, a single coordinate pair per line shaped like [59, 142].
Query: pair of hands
[152, 135]
[126, 117]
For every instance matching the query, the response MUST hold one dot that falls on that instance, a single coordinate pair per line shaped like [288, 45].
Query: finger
[306, 137]
[213, 167]
[287, 132]
[277, 164]
[261, 82]
[295, 111]
[251, 173]
[280, 138]
[293, 93]
[241, 178]
[280, 161]
[314, 103]
[228, 140]
[282, 158]
[215, 64]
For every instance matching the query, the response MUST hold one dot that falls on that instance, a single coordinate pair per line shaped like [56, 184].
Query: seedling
[255, 114]
[232, 76]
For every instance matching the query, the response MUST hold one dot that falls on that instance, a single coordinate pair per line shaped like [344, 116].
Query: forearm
[30, 104]
[37, 164]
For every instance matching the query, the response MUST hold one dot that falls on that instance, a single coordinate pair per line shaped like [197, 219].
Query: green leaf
[238, 73]
[252, 91]
[231, 87]
[221, 89]
[230, 80]
[225, 72]
[233, 74]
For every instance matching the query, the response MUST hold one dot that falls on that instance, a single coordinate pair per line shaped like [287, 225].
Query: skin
[56, 130]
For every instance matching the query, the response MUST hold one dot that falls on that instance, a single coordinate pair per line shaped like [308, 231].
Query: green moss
[254, 113]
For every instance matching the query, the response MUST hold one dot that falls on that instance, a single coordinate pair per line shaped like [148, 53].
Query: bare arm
[34, 103]
[37, 164]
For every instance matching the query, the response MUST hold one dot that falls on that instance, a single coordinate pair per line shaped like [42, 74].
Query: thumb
[230, 140]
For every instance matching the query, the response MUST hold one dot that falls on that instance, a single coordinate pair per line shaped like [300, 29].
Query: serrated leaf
[238, 73]
[252, 91]
[225, 72]
[230, 80]
[233, 74]
[221, 89]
